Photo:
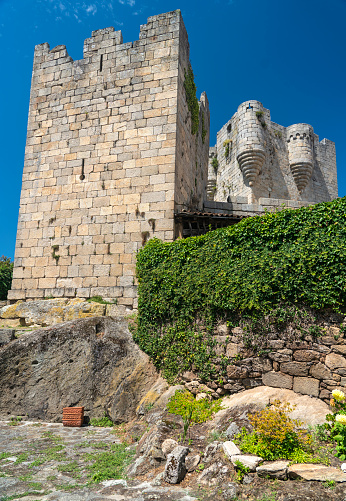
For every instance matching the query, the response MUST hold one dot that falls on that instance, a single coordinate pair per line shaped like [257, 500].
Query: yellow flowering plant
[335, 426]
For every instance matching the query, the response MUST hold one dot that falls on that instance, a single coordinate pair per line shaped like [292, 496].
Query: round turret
[250, 140]
[300, 153]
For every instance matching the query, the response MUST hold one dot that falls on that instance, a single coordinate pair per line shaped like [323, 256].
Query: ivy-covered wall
[292, 258]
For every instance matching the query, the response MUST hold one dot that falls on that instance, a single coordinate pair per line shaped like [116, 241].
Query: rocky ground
[45, 461]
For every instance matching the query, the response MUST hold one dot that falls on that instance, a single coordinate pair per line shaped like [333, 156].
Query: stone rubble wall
[101, 164]
[312, 367]
[251, 130]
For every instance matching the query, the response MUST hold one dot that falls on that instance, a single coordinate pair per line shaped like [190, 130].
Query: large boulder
[91, 362]
[47, 312]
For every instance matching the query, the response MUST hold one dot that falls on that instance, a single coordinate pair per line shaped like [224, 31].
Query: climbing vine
[292, 257]
[192, 101]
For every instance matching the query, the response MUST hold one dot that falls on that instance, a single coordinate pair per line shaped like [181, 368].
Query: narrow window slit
[101, 62]
[81, 177]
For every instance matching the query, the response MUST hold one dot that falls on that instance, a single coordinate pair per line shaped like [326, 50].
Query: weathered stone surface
[175, 469]
[320, 371]
[52, 311]
[250, 461]
[335, 361]
[281, 356]
[192, 462]
[261, 364]
[6, 336]
[234, 372]
[317, 472]
[277, 469]
[213, 474]
[211, 450]
[306, 355]
[308, 410]
[168, 445]
[277, 380]
[232, 430]
[230, 449]
[232, 350]
[306, 386]
[295, 368]
[91, 362]
[340, 348]
[193, 386]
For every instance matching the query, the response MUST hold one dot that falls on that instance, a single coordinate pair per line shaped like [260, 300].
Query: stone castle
[118, 152]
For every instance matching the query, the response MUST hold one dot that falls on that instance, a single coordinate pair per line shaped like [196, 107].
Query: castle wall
[259, 159]
[100, 162]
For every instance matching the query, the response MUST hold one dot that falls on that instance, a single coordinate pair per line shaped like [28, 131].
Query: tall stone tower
[113, 150]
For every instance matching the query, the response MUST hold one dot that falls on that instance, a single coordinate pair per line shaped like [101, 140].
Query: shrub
[6, 269]
[183, 404]
[275, 435]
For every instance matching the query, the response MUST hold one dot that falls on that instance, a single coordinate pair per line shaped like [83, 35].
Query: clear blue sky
[290, 55]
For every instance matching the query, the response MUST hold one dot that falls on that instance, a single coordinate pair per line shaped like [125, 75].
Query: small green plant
[103, 422]
[54, 254]
[15, 421]
[241, 471]
[215, 164]
[110, 464]
[260, 116]
[226, 145]
[330, 484]
[278, 134]
[99, 299]
[185, 405]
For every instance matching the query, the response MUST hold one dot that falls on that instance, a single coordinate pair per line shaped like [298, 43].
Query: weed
[110, 464]
[185, 405]
[329, 484]
[215, 164]
[99, 299]
[4, 455]
[26, 477]
[217, 435]
[241, 470]
[71, 467]
[226, 145]
[103, 422]
[15, 421]
[21, 458]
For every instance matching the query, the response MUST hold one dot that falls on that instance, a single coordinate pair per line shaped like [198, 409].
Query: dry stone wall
[103, 159]
[312, 366]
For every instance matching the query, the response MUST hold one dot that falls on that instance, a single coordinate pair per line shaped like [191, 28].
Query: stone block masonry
[269, 165]
[109, 157]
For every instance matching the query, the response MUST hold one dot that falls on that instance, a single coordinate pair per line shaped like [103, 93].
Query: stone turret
[263, 165]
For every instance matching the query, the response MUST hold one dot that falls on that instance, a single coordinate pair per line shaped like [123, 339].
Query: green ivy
[6, 270]
[192, 101]
[295, 257]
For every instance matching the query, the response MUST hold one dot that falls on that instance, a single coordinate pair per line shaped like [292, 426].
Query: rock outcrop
[90, 362]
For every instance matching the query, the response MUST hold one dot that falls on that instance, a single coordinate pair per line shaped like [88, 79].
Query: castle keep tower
[258, 164]
[110, 155]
